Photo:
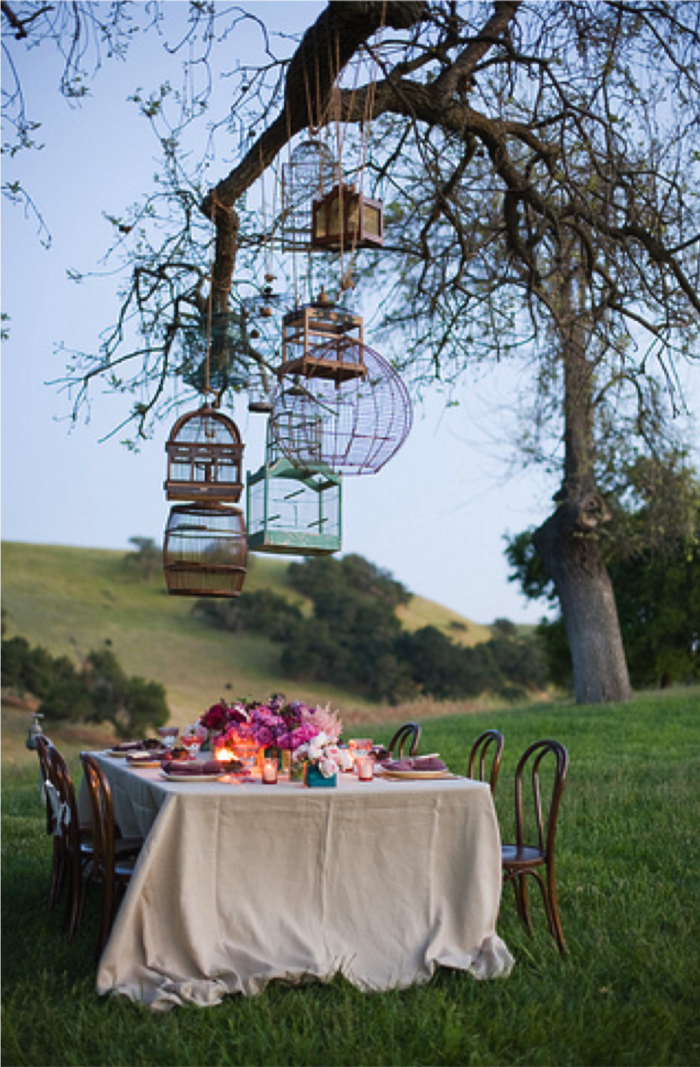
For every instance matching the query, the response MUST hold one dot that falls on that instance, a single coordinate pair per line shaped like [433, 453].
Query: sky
[435, 516]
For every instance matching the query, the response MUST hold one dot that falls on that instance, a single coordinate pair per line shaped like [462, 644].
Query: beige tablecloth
[240, 884]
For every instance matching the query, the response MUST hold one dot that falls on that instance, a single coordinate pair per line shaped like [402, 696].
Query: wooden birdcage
[345, 219]
[205, 453]
[205, 551]
[353, 428]
[291, 510]
[318, 340]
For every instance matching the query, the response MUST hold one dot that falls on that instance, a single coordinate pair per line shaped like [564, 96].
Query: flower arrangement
[325, 753]
[275, 724]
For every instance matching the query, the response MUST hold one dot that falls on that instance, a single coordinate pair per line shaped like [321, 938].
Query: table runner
[241, 884]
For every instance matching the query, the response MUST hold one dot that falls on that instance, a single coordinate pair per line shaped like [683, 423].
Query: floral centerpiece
[323, 753]
[277, 724]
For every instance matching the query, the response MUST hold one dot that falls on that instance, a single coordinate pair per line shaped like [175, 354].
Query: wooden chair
[113, 860]
[477, 757]
[522, 860]
[72, 841]
[52, 828]
[408, 734]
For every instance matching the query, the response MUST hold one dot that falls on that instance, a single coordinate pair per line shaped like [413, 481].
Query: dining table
[240, 883]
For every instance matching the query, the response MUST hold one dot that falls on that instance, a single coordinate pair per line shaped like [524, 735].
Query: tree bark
[568, 542]
[569, 547]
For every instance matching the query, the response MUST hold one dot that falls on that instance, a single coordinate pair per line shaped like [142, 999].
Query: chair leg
[73, 905]
[106, 915]
[524, 902]
[58, 870]
[553, 911]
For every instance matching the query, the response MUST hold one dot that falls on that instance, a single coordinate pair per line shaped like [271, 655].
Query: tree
[147, 557]
[97, 690]
[657, 590]
[542, 165]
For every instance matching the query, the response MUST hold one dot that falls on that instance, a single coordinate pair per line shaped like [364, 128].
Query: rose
[216, 718]
[328, 767]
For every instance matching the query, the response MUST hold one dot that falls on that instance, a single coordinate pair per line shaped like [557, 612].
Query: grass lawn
[629, 880]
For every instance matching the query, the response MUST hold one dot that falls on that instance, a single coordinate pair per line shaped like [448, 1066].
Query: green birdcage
[293, 510]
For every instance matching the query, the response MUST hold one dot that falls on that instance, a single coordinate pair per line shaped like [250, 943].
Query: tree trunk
[568, 545]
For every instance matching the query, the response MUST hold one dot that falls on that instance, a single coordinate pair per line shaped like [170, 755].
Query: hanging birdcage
[320, 340]
[309, 174]
[218, 363]
[345, 219]
[205, 455]
[354, 427]
[291, 510]
[205, 551]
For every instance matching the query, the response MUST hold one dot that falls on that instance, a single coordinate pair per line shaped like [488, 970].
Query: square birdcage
[292, 510]
[205, 454]
[317, 341]
[205, 551]
[345, 219]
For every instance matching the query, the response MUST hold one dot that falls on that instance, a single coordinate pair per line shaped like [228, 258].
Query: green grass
[71, 600]
[629, 877]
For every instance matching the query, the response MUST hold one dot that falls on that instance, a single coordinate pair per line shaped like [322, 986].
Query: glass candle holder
[269, 770]
[365, 768]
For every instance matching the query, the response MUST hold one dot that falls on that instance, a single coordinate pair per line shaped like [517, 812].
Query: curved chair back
[113, 857]
[408, 734]
[545, 817]
[102, 811]
[489, 740]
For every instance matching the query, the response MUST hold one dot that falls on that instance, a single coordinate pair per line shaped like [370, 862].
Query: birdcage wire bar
[205, 550]
[354, 427]
[205, 454]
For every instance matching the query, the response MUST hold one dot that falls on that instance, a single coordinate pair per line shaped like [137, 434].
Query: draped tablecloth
[239, 884]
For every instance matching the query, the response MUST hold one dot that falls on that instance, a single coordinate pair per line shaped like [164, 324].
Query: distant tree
[353, 572]
[147, 557]
[260, 611]
[97, 690]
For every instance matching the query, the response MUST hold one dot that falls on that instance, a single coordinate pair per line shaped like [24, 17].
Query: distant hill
[71, 600]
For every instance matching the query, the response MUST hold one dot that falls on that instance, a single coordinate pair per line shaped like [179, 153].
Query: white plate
[191, 777]
[143, 762]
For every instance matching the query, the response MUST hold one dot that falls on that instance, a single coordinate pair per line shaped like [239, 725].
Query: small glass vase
[314, 779]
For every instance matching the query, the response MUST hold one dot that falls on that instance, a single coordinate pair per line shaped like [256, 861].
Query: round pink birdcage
[354, 424]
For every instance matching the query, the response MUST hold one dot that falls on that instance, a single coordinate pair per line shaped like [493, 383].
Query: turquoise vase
[313, 779]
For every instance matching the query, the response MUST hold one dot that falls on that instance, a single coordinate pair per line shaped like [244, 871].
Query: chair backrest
[545, 818]
[65, 821]
[43, 747]
[102, 811]
[408, 734]
[490, 739]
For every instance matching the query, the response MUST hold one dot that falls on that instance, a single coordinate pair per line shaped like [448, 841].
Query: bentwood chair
[520, 861]
[52, 827]
[113, 860]
[408, 734]
[72, 840]
[490, 739]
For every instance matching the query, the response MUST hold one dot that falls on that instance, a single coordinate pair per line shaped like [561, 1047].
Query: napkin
[209, 766]
[148, 756]
[127, 746]
[417, 763]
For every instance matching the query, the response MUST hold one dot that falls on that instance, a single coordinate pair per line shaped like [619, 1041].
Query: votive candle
[365, 768]
[269, 771]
